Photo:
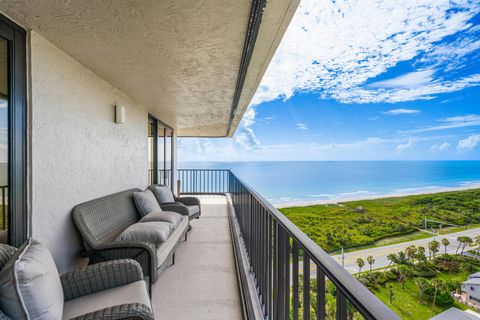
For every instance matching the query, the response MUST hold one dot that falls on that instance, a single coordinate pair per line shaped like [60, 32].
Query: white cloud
[408, 81]
[469, 143]
[468, 120]
[301, 126]
[334, 47]
[397, 112]
[3, 104]
[440, 147]
[405, 146]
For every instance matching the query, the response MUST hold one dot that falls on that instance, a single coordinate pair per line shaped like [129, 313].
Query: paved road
[380, 253]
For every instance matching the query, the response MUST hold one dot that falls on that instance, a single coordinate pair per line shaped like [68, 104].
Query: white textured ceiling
[179, 58]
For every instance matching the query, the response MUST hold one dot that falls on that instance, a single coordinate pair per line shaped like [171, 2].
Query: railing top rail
[365, 301]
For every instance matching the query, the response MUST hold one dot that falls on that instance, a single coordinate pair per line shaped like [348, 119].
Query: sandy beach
[427, 190]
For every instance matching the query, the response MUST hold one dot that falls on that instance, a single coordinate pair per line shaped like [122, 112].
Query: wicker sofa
[104, 291]
[102, 220]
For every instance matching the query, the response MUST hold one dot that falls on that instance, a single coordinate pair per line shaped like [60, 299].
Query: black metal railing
[204, 181]
[4, 208]
[278, 250]
[164, 176]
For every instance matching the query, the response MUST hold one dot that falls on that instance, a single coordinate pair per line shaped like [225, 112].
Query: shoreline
[427, 190]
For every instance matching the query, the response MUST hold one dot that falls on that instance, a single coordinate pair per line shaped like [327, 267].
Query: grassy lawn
[360, 224]
[406, 302]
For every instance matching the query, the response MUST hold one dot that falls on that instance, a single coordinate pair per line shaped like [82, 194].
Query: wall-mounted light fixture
[119, 114]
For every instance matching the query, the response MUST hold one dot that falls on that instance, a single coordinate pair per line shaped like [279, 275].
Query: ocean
[302, 182]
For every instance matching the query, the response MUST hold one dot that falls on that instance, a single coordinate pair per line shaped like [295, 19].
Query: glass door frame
[17, 131]
[156, 124]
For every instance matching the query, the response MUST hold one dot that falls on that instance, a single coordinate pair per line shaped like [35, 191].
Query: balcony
[242, 236]
[203, 282]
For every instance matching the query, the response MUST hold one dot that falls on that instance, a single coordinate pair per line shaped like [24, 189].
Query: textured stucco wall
[78, 152]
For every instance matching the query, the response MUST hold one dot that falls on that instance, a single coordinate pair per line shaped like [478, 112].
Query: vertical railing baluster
[341, 305]
[287, 275]
[4, 208]
[280, 293]
[269, 267]
[274, 314]
[306, 286]
[321, 315]
[295, 289]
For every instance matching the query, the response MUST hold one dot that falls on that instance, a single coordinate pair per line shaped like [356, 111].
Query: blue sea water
[293, 182]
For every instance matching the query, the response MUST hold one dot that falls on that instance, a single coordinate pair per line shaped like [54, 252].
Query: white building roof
[472, 281]
[455, 314]
[474, 275]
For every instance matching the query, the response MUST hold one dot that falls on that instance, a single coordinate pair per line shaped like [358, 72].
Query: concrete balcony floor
[203, 282]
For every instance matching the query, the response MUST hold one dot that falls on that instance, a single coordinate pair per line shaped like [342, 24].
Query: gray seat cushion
[193, 210]
[166, 248]
[153, 232]
[134, 292]
[30, 286]
[146, 202]
[171, 217]
[163, 194]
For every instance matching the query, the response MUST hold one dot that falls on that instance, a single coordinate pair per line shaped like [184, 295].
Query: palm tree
[437, 285]
[477, 243]
[403, 273]
[370, 261]
[411, 251]
[421, 254]
[402, 258]
[422, 284]
[360, 264]
[445, 243]
[433, 247]
[392, 257]
[467, 241]
[460, 240]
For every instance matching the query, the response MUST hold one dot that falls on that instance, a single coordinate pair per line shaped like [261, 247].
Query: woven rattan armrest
[99, 277]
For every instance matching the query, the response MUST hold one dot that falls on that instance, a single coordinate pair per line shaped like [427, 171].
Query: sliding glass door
[13, 209]
[159, 152]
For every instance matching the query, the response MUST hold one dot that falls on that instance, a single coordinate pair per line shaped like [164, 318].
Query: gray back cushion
[30, 286]
[103, 219]
[146, 202]
[153, 232]
[163, 194]
[171, 217]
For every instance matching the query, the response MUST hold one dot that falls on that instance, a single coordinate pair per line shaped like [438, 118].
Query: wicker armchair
[187, 206]
[104, 276]
[94, 279]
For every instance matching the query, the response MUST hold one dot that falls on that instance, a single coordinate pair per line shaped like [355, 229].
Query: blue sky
[364, 80]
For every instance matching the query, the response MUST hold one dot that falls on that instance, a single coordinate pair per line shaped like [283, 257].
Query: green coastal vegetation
[366, 223]
[417, 284]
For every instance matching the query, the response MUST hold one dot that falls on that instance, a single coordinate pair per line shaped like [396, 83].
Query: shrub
[444, 298]
[424, 273]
